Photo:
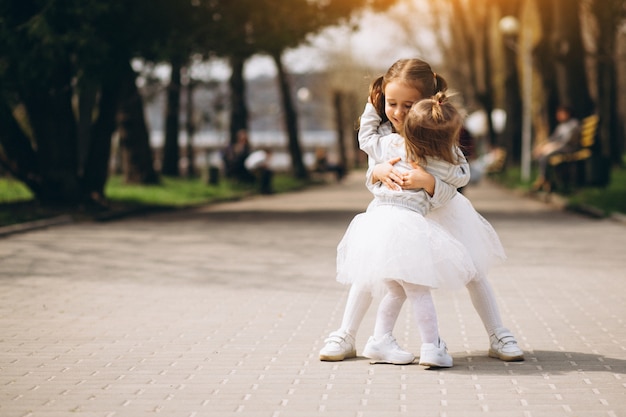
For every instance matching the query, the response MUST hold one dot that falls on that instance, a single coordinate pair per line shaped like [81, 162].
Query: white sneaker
[386, 350]
[339, 346]
[435, 356]
[504, 346]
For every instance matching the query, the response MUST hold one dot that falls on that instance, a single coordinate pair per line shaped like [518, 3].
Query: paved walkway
[221, 311]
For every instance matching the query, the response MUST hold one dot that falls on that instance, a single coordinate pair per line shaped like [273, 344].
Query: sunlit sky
[377, 43]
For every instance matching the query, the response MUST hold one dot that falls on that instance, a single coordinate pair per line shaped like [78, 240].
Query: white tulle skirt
[463, 222]
[392, 242]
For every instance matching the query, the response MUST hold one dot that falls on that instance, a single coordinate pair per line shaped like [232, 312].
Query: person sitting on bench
[563, 139]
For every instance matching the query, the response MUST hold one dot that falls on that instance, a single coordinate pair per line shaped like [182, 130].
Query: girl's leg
[503, 344]
[359, 301]
[389, 309]
[382, 347]
[484, 301]
[434, 352]
[424, 312]
[340, 344]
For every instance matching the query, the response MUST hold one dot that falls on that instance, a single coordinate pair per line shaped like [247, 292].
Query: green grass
[12, 191]
[611, 199]
[17, 204]
[172, 192]
[608, 200]
[182, 192]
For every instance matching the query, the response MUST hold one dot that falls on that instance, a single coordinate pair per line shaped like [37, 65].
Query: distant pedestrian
[234, 157]
[259, 164]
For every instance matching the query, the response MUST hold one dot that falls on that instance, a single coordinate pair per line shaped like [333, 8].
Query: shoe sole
[374, 359]
[505, 358]
[436, 365]
[338, 357]
[381, 361]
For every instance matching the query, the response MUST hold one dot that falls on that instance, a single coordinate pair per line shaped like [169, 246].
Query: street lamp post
[509, 26]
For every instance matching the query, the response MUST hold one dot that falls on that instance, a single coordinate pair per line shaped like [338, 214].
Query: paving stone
[222, 310]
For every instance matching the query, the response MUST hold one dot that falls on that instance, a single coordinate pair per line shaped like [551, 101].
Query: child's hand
[418, 178]
[388, 175]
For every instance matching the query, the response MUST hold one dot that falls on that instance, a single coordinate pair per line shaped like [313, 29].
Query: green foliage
[180, 192]
[609, 199]
[13, 191]
[17, 204]
[176, 192]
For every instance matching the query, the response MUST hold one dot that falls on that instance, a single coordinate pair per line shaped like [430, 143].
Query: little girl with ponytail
[410, 131]
[393, 248]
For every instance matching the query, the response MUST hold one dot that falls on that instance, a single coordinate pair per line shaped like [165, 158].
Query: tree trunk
[340, 126]
[137, 157]
[96, 169]
[291, 120]
[608, 152]
[238, 107]
[190, 127]
[17, 155]
[569, 61]
[87, 96]
[461, 48]
[611, 140]
[54, 130]
[485, 94]
[171, 150]
[512, 137]
[544, 61]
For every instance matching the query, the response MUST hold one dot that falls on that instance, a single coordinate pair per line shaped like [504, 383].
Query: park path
[222, 310]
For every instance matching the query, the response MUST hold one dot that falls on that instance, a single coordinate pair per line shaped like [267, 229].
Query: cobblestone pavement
[221, 311]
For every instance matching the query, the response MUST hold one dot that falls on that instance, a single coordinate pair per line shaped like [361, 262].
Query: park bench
[567, 169]
[322, 167]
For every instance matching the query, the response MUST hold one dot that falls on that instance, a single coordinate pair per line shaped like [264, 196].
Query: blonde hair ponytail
[431, 129]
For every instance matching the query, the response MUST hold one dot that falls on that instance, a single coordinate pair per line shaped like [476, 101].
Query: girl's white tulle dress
[404, 236]
[394, 242]
[461, 220]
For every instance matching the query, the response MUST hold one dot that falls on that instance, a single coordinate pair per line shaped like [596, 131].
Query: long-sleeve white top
[381, 145]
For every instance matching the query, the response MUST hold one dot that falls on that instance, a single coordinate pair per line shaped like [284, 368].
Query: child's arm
[453, 176]
[384, 173]
[369, 137]
[442, 187]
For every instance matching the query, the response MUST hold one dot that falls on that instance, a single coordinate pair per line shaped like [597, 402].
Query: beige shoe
[504, 346]
[339, 346]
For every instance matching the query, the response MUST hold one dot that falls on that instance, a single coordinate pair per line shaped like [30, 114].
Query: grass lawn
[18, 206]
[608, 200]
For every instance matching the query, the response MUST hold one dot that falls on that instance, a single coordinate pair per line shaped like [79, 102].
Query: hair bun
[440, 97]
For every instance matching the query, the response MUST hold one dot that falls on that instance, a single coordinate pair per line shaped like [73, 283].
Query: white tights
[481, 294]
[485, 304]
[422, 306]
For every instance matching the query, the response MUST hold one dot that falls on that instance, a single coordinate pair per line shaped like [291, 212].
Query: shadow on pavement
[539, 362]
